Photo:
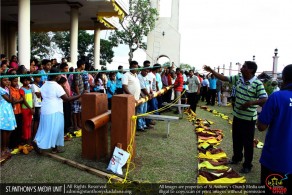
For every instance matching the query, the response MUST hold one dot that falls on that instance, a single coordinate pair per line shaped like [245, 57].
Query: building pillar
[239, 66]
[74, 12]
[275, 66]
[97, 64]
[230, 69]
[24, 32]
[224, 69]
[12, 41]
[175, 14]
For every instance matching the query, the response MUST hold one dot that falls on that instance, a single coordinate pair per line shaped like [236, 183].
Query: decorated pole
[275, 64]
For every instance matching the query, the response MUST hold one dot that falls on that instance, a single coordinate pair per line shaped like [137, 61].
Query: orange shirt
[14, 92]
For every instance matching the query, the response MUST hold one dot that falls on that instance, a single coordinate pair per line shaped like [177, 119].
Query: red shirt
[179, 83]
[169, 79]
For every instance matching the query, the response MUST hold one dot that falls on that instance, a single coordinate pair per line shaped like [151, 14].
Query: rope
[58, 73]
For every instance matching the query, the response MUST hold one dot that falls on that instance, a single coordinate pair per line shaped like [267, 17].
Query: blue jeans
[141, 109]
[152, 105]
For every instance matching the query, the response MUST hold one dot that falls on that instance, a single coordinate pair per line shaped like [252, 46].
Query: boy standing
[77, 88]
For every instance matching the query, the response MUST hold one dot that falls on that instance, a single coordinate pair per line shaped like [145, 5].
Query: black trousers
[193, 100]
[211, 96]
[267, 175]
[15, 137]
[204, 93]
[119, 91]
[242, 137]
[168, 96]
[67, 116]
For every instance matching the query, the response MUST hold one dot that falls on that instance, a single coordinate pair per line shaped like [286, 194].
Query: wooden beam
[84, 167]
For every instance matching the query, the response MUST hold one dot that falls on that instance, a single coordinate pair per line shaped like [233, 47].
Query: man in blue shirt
[211, 96]
[119, 78]
[46, 69]
[276, 159]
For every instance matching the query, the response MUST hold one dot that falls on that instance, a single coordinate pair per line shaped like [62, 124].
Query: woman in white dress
[50, 133]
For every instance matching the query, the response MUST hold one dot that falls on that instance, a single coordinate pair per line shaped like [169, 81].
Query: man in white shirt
[205, 86]
[130, 81]
[145, 92]
[194, 90]
[157, 71]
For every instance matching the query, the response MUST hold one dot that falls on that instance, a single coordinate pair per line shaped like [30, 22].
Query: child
[36, 92]
[15, 138]
[7, 118]
[27, 109]
[98, 85]
[111, 88]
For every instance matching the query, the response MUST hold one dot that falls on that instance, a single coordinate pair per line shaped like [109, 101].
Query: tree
[85, 46]
[134, 27]
[106, 51]
[62, 39]
[85, 42]
[40, 44]
[186, 67]
[166, 64]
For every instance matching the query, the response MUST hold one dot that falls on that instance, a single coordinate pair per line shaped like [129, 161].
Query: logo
[275, 183]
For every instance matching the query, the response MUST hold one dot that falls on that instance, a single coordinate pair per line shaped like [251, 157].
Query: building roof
[54, 15]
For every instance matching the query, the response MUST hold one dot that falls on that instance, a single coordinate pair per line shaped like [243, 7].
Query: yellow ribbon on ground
[204, 145]
[210, 141]
[208, 165]
[225, 180]
[208, 155]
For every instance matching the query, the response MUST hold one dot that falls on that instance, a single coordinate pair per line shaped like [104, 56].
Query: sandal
[67, 138]
[56, 150]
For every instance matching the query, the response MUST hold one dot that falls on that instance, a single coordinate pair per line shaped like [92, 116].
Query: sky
[217, 32]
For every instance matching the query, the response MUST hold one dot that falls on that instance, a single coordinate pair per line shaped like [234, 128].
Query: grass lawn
[158, 159]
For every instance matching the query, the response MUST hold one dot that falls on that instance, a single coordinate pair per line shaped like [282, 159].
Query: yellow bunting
[208, 165]
[225, 180]
[208, 155]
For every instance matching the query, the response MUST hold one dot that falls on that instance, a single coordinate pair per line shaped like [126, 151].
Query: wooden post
[123, 108]
[94, 143]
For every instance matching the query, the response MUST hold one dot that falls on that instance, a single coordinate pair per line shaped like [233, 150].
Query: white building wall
[169, 43]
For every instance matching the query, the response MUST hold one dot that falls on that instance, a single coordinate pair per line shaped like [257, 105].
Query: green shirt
[251, 90]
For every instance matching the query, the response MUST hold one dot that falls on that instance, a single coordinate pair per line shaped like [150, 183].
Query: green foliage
[62, 40]
[40, 44]
[106, 51]
[268, 87]
[134, 27]
[85, 42]
[85, 46]
[186, 67]
[166, 64]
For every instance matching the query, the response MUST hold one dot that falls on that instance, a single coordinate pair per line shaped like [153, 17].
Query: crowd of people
[33, 101]
[41, 109]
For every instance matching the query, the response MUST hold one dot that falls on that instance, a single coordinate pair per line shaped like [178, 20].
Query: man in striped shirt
[250, 92]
